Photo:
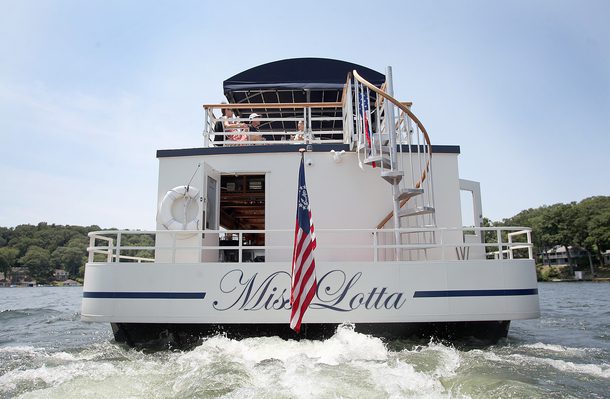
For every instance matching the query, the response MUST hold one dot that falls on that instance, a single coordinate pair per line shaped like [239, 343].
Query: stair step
[378, 160]
[417, 211]
[407, 193]
[392, 176]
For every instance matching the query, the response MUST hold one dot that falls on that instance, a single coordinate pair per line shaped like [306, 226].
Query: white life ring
[166, 217]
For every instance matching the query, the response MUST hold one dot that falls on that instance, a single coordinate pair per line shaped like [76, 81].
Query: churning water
[47, 352]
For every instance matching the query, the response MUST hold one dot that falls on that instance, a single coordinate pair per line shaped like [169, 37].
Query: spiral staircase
[389, 137]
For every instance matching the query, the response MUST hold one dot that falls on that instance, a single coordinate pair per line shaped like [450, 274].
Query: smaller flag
[364, 113]
[303, 285]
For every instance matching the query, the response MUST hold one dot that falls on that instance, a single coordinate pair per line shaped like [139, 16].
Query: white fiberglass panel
[347, 292]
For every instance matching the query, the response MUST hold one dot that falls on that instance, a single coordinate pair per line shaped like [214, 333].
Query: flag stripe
[303, 282]
[297, 273]
[299, 287]
[308, 283]
[299, 304]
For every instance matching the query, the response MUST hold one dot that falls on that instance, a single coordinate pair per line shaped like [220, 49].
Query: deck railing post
[499, 239]
[110, 250]
[206, 128]
[91, 246]
[375, 245]
[239, 253]
[118, 247]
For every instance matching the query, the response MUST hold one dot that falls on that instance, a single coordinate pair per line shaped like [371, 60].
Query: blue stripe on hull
[144, 295]
[462, 293]
[201, 295]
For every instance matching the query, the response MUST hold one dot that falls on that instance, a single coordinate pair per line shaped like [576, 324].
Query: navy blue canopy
[297, 73]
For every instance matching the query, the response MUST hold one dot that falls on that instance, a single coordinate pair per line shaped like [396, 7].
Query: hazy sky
[89, 90]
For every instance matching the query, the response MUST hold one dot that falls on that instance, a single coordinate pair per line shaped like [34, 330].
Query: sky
[89, 90]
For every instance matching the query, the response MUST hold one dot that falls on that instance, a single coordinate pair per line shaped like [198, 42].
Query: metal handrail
[505, 249]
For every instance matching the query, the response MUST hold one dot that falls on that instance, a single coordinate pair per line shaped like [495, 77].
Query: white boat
[392, 256]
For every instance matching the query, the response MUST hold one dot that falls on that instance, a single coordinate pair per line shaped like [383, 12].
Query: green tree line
[45, 247]
[584, 224]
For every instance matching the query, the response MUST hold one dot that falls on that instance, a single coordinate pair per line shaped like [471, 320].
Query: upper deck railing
[364, 245]
[279, 124]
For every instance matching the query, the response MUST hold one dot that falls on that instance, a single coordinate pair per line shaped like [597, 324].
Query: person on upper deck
[234, 128]
[300, 135]
[253, 128]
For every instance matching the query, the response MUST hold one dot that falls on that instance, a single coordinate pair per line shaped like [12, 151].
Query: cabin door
[210, 216]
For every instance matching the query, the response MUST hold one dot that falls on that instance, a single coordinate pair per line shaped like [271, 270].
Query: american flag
[364, 113]
[304, 285]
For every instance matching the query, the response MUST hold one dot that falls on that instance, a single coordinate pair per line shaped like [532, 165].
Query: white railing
[515, 245]
[370, 245]
[280, 129]
[113, 252]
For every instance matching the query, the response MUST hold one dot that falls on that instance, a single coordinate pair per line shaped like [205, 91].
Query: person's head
[226, 111]
[301, 126]
[254, 119]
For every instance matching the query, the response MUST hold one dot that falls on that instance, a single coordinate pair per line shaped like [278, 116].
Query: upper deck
[369, 163]
[304, 100]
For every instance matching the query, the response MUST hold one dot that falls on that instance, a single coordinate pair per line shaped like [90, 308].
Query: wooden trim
[257, 106]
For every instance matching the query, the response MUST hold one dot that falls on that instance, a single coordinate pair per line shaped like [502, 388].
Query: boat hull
[447, 299]
[186, 336]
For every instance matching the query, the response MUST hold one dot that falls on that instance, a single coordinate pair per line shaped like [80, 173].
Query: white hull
[355, 292]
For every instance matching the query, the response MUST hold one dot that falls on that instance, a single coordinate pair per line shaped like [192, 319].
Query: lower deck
[468, 288]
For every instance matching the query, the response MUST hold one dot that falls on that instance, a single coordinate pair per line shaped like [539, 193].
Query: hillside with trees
[584, 224]
[42, 249]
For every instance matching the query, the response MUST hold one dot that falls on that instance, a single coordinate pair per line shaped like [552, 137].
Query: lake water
[47, 352]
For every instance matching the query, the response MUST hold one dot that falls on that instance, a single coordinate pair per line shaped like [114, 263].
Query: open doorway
[242, 207]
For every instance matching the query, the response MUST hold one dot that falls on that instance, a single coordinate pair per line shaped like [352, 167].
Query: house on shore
[558, 256]
[60, 275]
[606, 257]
